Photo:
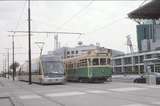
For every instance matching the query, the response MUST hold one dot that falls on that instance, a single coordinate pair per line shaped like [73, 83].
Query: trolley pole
[29, 42]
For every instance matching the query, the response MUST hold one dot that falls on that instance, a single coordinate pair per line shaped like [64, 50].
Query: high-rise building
[148, 36]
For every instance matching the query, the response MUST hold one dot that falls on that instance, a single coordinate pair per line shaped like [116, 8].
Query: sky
[103, 22]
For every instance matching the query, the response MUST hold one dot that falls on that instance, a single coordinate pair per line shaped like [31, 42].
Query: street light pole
[29, 42]
[3, 66]
[7, 62]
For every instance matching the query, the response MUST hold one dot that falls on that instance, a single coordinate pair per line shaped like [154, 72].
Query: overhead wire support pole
[29, 42]
[8, 63]
[13, 54]
[5, 66]
[13, 73]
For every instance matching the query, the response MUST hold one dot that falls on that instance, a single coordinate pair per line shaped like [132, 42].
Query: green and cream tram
[47, 69]
[94, 66]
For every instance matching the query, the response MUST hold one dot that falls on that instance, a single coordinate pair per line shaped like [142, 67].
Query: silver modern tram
[47, 69]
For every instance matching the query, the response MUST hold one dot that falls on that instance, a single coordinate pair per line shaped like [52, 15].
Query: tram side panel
[101, 73]
[35, 71]
[47, 70]
[87, 72]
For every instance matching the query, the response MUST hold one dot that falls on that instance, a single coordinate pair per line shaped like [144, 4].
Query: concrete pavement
[78, 94]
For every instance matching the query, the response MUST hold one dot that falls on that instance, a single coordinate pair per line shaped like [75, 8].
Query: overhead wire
[76, 14]
[19, 17]
[21, 14]
[112, 22]
[106, 25]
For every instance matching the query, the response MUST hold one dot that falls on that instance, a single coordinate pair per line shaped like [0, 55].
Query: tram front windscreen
[53, 68]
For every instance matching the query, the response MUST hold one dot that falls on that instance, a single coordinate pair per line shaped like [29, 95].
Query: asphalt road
[78, 94]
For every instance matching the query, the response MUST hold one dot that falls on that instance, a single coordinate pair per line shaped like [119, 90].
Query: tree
[16, 65]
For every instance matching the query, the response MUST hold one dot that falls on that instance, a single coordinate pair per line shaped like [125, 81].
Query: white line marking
[30, 97]
[154, 86]
[127, 89]
[136, 105]
[156, 103]
[65, 94]
[97, 91]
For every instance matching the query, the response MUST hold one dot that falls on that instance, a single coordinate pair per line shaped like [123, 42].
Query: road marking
[29, 97]
[65, 94]
[136, 105]
[153, 86]
[156, 103]
[127, 89]
[97, 91]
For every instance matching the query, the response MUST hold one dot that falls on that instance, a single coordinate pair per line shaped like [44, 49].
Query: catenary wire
[76, 14]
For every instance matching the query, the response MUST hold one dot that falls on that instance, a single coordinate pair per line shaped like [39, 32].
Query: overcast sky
[103, 22]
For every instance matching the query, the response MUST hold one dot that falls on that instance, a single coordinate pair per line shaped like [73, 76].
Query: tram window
[95, 61]
[85, 62]
[103, 61]
[78, 64]
[70, 65]
[76, 52]
[157, 68]
[39, 69]
[20, 72]
[108, 61]
[68, 52]
[34, 68]
[81, 63]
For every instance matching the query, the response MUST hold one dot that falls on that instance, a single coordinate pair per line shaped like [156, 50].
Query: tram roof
[150, 10]
[87, 55]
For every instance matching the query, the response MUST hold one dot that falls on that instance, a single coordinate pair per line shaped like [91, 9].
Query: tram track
[41, 95]
[115, 95]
